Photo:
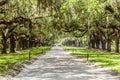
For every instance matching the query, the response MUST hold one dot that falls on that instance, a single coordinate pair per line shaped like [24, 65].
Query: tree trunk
[97, 44]
[103, 45]
[117, 43]
[12, 43]
[109, 45]
[18, 46]
[23, 45]
[90, 42]
[4, 43]
[93, 44]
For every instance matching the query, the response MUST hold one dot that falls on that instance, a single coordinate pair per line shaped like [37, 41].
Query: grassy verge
[104, 59]
[11, 62]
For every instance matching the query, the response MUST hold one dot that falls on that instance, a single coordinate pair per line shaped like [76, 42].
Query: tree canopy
[42, 22]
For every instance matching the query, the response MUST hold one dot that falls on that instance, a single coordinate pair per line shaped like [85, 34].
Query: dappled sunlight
[58, 64]
[103, 59]
[90, 27]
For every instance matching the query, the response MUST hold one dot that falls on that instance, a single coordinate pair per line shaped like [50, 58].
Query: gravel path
[58, 64]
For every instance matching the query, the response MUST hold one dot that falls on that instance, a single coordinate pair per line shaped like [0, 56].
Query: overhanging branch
[3, 2]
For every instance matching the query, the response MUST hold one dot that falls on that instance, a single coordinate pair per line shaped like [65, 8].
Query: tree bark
[12, 43]
[117, 43]
[109, 45]
[23, 44]
[97, 44]
[103, 44]
[18, 45]
[90, 42]
[93, 44]
[4, 43]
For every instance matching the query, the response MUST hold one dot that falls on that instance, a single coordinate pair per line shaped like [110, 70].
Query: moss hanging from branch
[3, 2]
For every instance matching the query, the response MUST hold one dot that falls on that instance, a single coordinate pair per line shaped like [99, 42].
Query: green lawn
[104, 59]
[11, 62]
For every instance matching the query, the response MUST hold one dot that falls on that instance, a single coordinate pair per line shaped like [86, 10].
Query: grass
[104, 59]
[11, 62]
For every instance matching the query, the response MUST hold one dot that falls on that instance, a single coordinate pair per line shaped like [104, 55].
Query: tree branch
[3, 2]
